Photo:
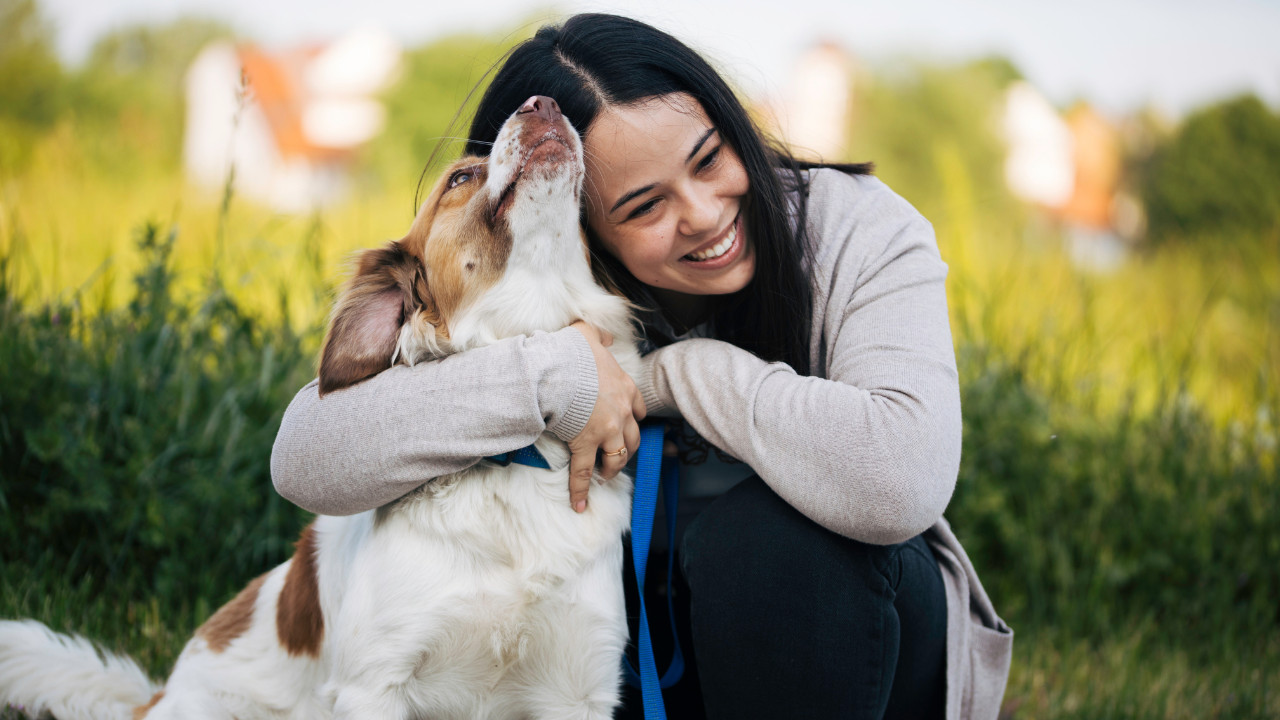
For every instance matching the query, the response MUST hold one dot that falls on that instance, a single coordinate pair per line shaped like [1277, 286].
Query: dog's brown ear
[389, 285]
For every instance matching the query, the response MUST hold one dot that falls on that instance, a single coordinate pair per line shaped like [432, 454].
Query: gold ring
[620, 451]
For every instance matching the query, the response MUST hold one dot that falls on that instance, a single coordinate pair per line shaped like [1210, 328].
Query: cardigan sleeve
[870, 449]
[361, 447]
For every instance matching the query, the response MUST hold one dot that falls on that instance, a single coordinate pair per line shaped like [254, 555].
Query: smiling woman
[795, 318]
[676, 218]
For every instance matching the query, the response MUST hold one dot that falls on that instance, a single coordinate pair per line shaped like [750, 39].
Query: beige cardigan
[869, 447]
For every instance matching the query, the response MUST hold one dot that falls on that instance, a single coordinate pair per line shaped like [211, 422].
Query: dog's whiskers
[466, 140]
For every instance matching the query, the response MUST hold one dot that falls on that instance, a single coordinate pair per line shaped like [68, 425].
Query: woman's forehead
[642, 143]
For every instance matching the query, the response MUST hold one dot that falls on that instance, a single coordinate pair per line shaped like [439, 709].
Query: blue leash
[650, 472]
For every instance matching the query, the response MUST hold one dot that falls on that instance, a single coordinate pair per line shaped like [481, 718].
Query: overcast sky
[1120, 54]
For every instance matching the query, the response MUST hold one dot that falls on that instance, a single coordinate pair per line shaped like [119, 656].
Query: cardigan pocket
[990, 655]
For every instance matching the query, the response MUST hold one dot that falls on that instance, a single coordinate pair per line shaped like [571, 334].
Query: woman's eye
[459, 178]
[709, 160]
[644, 209]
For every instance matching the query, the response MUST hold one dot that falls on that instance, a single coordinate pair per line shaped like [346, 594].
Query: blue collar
[524, 456]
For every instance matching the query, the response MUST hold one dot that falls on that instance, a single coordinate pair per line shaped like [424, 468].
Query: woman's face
[664, 196]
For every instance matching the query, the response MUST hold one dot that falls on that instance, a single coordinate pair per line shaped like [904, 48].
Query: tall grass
[133, 448]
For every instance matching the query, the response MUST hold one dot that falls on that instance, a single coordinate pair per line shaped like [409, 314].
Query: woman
[799, 325]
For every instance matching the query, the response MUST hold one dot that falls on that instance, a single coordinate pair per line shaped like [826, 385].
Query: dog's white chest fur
[499, 592]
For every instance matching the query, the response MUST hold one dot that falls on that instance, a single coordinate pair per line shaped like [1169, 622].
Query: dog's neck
[547, 285]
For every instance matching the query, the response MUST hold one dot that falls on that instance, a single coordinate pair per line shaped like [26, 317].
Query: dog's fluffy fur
[481, 594]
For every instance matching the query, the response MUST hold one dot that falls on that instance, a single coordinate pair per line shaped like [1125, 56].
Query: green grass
[1141, 672]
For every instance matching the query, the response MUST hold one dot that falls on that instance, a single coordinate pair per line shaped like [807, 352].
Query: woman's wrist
[647, 381]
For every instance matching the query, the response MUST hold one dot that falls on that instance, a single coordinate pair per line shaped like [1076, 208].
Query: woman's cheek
[645, 254]
[653, 257]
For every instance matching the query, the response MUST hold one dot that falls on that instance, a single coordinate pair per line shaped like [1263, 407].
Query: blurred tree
[159, 54]
[916, 121]
[31, 80]
[131, 90]
[1219, 174]
[998, 69]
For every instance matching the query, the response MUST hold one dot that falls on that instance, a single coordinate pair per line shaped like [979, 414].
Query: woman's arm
[872, 452]
[364, 446]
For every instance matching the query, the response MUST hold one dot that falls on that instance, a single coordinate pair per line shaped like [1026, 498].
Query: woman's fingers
[582, 463]
[638, 409]
[611, 460]
[632, 433]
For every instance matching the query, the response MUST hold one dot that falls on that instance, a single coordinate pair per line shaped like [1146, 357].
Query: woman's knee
[789, 619]
[751, 538]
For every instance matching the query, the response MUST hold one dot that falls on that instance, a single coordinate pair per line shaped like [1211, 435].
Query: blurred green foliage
[1219, 175]
[125, 103]
[913, 119]
[134, 441]
[128, 100]
[1092, 523]
[30, 80]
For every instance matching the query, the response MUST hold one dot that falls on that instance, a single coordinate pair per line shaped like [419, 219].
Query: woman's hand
[614, 422]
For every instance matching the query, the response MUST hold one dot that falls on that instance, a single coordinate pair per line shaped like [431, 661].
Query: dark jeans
[781, 618]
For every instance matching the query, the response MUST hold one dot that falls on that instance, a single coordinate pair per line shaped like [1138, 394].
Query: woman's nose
[701, 214]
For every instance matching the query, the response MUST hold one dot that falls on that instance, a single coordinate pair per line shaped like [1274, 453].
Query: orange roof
[277, 86]
[1097, 162]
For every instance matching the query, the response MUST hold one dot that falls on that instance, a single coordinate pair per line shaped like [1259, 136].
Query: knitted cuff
[646, 382]
[586, 388]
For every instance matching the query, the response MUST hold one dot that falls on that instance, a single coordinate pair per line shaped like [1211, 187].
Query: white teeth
[719, 248]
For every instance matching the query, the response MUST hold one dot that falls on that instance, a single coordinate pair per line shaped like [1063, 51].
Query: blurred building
[288, 123]
[1039, 166]
[1070, 166]
[813, 117]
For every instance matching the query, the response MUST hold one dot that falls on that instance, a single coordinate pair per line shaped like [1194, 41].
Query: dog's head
[482, 216]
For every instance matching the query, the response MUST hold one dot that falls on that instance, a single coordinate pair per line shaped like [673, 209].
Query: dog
[481, 594]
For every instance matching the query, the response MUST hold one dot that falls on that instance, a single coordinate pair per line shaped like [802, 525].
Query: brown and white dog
[479, 595]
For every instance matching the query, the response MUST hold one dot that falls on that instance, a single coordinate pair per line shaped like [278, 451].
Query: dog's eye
[459, 178]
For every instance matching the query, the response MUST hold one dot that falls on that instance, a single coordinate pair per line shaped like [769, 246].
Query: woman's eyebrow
[640, 191]
[628, 197]
[698, 146]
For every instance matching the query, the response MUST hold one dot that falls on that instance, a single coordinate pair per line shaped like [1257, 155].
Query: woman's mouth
[721, 253]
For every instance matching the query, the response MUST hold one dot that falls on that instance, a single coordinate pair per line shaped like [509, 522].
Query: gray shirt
[868, 446]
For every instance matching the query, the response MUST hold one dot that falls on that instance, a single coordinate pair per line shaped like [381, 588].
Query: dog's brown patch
[299, 621]
[453, 251]
[463, 250]
[388, 287]
[141, 711]
[233, 619]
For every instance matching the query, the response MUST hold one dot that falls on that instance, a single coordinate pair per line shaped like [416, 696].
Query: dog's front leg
[393, 612]
[374, 666]
[575, 673]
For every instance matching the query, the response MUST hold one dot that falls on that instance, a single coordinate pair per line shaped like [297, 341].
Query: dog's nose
[545, 107]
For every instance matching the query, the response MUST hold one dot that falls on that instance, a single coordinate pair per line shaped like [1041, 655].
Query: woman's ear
[388, 287]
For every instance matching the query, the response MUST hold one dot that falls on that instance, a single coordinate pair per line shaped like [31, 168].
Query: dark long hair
[593, 61]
